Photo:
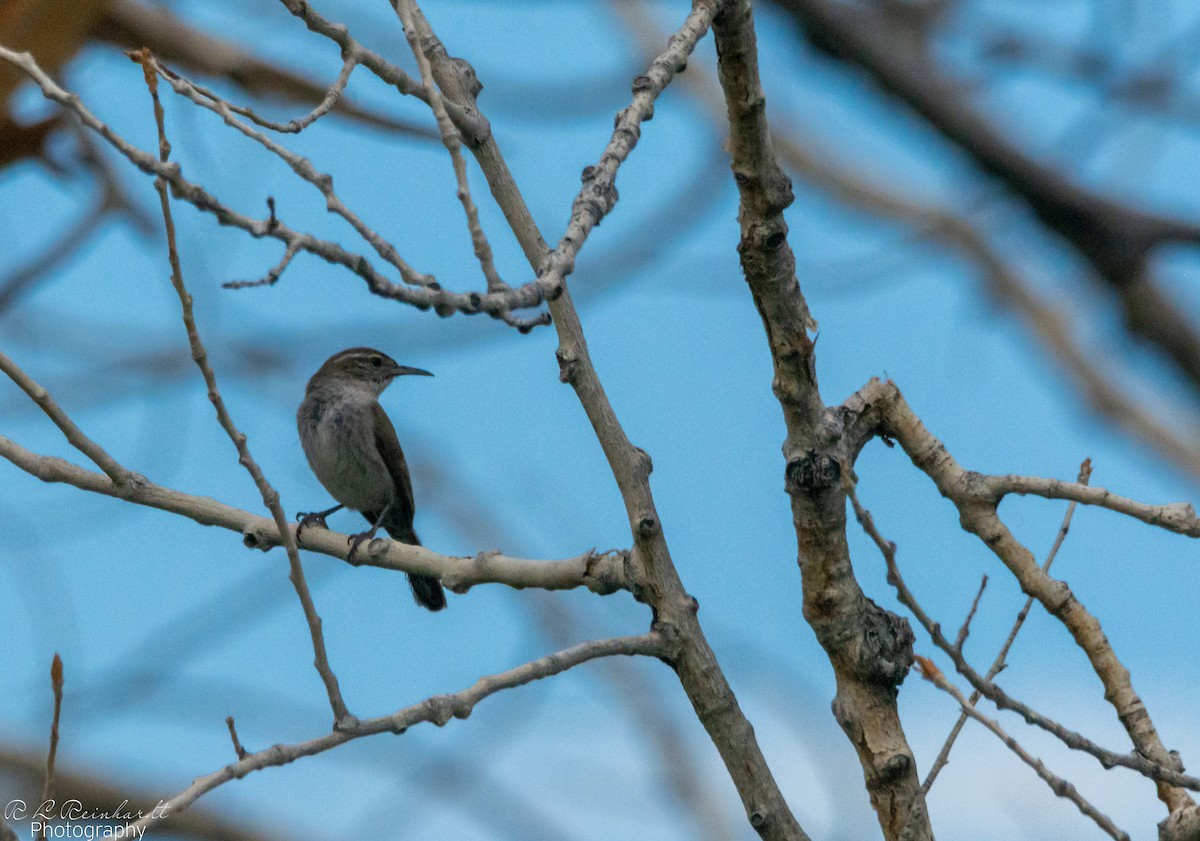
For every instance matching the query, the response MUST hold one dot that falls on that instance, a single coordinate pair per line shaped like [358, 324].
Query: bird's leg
[356, 539]
[314, 518]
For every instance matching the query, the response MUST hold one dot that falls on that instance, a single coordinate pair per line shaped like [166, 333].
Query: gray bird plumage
[352, 448]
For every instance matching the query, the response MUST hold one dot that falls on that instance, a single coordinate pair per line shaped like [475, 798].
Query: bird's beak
[402, 370]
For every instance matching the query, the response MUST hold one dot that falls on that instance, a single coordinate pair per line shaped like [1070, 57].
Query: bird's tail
[426, 589]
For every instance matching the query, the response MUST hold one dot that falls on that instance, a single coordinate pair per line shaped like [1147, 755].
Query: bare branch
[467, 120]
[271, 276]
[452, 140]
[270, 497]
[1073, 740]
[599, 193]
[332, 97]
[869, 648]
[602, 573]
[977, 513]
[1057, 784]
[438, 709]
[241, 752]
[133, 25]
[998, 664]
[56, 685]
[1179, 517]
[658, 580]
[118, 474]
[300, 165]
[522, 297]
[961, 639]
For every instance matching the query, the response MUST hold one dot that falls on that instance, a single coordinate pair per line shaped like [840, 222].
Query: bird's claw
[309, 518]
[356, 540]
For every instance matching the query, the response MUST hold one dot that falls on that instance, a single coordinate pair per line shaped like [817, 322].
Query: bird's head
[364, 368]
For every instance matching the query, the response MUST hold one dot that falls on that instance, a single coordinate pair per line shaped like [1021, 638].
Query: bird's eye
[376, 361]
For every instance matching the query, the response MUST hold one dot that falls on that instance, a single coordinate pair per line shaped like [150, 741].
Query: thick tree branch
[1095, 375]
[870, 649]
[983, 685]
[976, 497]
[659, 583]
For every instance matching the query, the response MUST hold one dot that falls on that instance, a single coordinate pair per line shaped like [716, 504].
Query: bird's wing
[389, 448]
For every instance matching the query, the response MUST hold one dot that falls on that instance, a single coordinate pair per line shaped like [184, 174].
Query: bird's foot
[356, 540]
[313, 518]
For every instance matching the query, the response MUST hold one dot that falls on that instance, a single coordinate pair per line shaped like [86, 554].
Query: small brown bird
[352, 447]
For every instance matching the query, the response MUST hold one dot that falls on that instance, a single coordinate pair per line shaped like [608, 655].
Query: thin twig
[300, 165]
[1057, 784]
[469, 122]
[241, 752]
[332, 97]
[118, 474]
[409, 14]
[961, 639]
[452, 140]
[495, 304]
[271, 276]
[270, 496]
[56, 683]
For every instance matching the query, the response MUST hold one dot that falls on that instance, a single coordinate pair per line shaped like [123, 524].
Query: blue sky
[166, 627]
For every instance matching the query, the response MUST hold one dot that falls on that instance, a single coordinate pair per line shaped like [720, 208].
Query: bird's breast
[339, 442]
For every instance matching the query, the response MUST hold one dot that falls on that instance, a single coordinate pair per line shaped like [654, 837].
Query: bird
[352, 448]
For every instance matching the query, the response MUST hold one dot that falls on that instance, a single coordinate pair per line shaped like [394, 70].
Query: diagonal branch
[978, 515]
[985, 687]
[658, 580]
[119, 476]
[1000, 661]
[1057, 784]
[438, 710]
[270, 497]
